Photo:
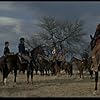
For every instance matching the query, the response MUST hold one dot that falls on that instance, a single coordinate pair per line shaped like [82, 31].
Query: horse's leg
[52, 69]
[82, 72]
[79, 74]
[96, 80]
[36, 70]
[91, 73]
[5, 74]
[31, 71]
[46, 71]
[19, 71]
[15, 74]
[59, 69]
[28, 74]
[43, 69]
[23, 71]
[71, 70]
[36, 67]
[32, 77]
[5, 78]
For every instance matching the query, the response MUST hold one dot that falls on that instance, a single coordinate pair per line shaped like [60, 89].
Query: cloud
[6, 5]
[91, 21]
[21, 18]
[8, 21]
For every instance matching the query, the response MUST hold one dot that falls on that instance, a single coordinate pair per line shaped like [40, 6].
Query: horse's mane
[38, 50]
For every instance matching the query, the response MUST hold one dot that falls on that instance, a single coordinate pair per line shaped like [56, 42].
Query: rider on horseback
[54, 54]
[22, 51]
[6, 49]
[6, 53]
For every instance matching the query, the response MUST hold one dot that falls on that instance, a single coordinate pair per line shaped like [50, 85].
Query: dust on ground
[49, 86]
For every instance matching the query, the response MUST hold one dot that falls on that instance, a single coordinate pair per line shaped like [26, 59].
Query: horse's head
[39, 58]
[36, 51]
[72, 59]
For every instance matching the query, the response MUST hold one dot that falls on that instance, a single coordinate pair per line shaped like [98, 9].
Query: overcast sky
[21, 18]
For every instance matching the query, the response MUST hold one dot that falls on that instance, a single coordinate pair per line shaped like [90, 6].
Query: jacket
[21, 48]
[6, 51]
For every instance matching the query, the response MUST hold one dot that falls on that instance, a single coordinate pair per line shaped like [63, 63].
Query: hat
[22, 39]
[6, 42]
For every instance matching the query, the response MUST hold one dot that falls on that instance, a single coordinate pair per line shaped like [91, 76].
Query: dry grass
[48, 86]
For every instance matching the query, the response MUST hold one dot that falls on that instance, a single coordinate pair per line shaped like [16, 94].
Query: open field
[48, 86]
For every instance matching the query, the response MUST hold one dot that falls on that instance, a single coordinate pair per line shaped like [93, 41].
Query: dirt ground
[49, 86]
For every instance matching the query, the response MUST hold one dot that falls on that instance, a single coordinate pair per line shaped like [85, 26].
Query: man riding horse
[24, 55]
[22, 51]
[6, 49]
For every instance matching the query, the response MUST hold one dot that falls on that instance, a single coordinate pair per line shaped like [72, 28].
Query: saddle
[22, 61]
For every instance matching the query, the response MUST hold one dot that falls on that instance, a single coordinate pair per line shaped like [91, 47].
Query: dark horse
[44, 64]
[33, 64]
[7, 64]
[67, 66]
[80, 65]
[34, 53]
[22, 65]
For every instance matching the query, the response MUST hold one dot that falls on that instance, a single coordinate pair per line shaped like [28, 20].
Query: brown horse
[36, 51]
[44, 64]
[95, 58]
[80, 65]
[54, 67]
[67, 66]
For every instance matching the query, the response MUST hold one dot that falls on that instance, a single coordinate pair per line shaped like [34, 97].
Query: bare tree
[60, 34]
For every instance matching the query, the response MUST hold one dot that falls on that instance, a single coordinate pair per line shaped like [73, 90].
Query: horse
[54, 66]
[34, 52]
[97, 55]
[67, 66]
[87, 65]
[80, 65]
[26, 63]
[10, 63]
[44, 64]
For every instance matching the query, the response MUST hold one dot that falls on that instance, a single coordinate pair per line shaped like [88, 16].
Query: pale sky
[21, 18]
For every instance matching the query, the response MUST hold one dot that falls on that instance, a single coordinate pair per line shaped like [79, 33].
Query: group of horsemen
[60, 56]
[23, 53]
